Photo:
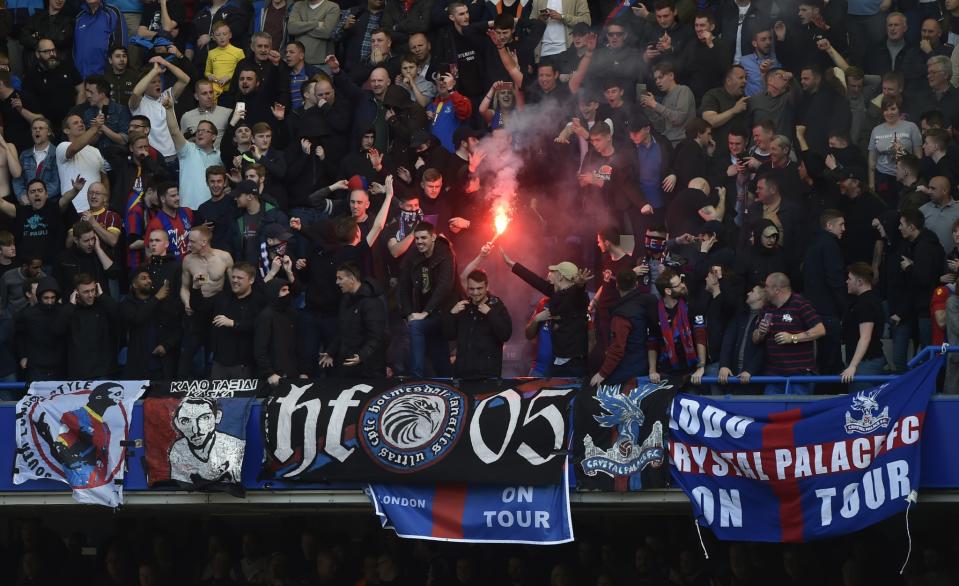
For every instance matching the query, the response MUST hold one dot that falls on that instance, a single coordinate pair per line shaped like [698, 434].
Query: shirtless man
[203, 276]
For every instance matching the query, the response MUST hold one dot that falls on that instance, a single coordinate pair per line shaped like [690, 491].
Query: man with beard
[761, 61]
[40, 347]
[821, 111]
[681, 349]
[234, 316]
[54, 85]
[91, 325]
[152, 333]
[203, 453]
[359, 348]
[426, 288]
[263, 60]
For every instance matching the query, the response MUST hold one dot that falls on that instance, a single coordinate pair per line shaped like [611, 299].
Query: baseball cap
[245, 187]
[565, 268]
[637, 121]
[580, 29]
[277, 231]
[857, 173]
[419, 138]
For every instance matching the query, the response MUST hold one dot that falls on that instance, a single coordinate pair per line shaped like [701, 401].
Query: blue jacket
[49, 173]
[259, 17]
[641, 311]
[94, 34]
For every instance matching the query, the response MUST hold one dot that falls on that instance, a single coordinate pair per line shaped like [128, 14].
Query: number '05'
[553, 416]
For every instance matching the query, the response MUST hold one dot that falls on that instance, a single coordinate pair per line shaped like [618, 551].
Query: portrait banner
[195, 433]
[818, 469]
[429, 432]
[76, 432]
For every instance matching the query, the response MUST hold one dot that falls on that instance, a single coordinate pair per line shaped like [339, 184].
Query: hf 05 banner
[421, 432]
[76, 432]
[623, 431]
[823, 469]
[195, 433]
[478, 514]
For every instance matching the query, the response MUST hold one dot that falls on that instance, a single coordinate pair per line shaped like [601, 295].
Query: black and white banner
[75, 432]
[486, 432]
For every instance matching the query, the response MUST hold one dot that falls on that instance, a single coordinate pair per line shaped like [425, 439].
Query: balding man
[788, 328]
[941, 212]
[369, 111]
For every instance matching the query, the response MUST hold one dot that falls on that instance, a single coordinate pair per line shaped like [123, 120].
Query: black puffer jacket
[479, 338]
[569, 328]
[362, 331]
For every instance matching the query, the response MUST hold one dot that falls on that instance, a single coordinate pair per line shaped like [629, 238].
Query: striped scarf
[679, 325]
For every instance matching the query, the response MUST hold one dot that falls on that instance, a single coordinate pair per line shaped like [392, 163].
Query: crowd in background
[284, 189]
[230, 551]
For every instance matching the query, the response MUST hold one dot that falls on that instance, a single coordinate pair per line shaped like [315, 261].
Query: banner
[195, 433]
[623, 431]
[829, 467]
[424, 432]
[476, 514]
[75, 432]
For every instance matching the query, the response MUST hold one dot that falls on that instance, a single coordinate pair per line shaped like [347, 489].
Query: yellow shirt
[220, 63]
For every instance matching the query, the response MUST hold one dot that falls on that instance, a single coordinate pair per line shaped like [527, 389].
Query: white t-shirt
[160, 138]
[88, 163]
[554, 38]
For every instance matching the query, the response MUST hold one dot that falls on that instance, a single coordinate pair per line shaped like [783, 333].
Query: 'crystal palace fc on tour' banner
[76, 432]
[822, 469]
[195, 433]
[480, 432]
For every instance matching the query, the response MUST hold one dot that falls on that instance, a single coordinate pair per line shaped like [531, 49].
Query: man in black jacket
[359, 350]
[566, 311]
[234, 315]
[426, 289]
[91, 322]
[40, 346]
[825, 287]
[921, 259]
[152, 333]
[739, 356]
[85, 256]
[276, 335]
[480, 325]
[634, 321]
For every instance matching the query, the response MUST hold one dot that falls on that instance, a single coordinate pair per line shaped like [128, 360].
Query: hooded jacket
[276, 336]
[362, 330]
[479, 338]
[634, 321]
[922, 276]
[36, 335]
[433, 289]
[150, 323]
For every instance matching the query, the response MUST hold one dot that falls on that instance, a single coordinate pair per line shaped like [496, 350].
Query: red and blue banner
[477, 513]
[817, 470]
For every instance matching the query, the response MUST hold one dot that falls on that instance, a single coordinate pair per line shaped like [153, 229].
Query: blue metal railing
[920, 357]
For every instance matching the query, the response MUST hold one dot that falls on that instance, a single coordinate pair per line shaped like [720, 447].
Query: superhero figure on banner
[82, 442]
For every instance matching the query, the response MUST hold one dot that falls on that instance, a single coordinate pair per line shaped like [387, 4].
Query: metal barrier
[920, 357]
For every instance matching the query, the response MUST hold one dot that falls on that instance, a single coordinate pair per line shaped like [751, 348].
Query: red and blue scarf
[680, 325]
